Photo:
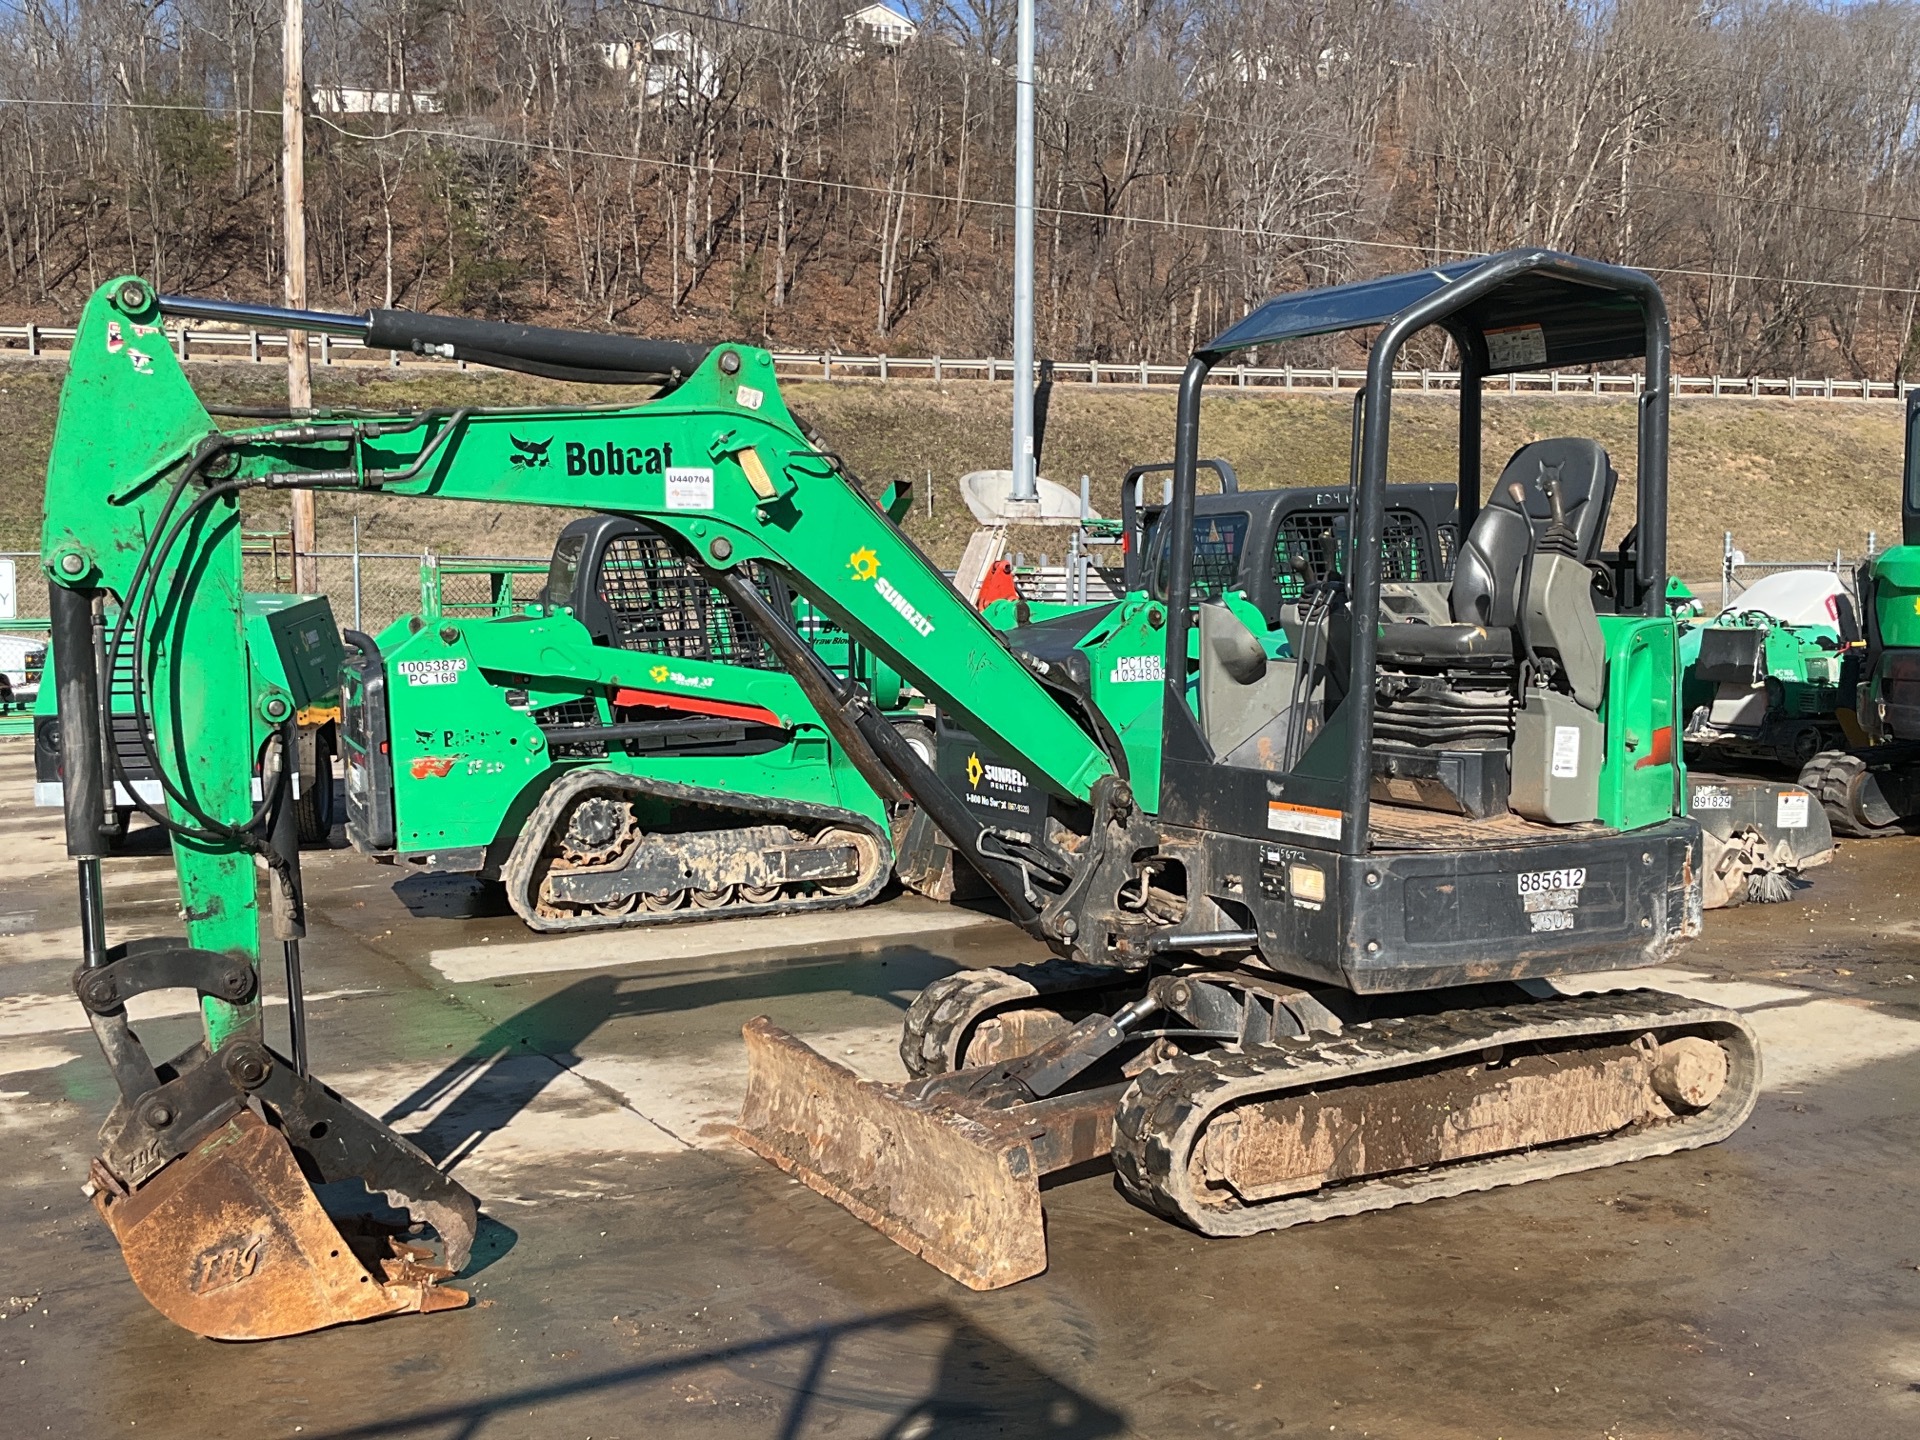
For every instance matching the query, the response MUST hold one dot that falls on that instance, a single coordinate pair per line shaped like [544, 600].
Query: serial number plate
[1538, 882]
[1547, 920]
[1550, 900]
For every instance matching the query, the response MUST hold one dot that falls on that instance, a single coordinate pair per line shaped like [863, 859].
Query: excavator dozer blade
[230, 1241]
[961, 1193]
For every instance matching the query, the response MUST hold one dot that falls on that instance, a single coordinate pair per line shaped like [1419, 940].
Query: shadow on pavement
[452, 896]
[503, 1071]
[922, 1374]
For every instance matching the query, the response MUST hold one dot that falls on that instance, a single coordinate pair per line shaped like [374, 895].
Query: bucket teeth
[962, 1194]
[229, 1241]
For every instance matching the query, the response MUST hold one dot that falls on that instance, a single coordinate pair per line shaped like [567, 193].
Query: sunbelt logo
[661, 675]
[1000, 776]
[863, 564]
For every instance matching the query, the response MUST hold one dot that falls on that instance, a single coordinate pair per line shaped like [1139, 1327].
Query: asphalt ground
[638, 1274]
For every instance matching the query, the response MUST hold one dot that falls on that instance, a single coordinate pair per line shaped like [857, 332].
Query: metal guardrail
[263, 346]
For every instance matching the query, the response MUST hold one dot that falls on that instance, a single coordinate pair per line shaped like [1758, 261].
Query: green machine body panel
[470, 760]
[1642, 780]
[293, 645]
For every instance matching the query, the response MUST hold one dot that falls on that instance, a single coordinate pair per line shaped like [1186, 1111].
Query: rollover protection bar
[577, 355]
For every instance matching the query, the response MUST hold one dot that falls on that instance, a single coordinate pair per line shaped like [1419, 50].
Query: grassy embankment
[1792, 479]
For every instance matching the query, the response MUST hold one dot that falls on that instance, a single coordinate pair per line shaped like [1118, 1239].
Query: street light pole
[293, 151]
[1024, 489]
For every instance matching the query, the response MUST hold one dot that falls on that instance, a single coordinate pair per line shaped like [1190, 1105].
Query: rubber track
[1165, 1111]
[943, 1013]
[517, 873]
[1830, 776]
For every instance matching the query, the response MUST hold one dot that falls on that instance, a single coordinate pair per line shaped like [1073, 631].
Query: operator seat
[1489, 577]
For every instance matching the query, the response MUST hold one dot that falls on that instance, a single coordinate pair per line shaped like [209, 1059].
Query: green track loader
[626, 751]
[1313, 916]
[1873, 787]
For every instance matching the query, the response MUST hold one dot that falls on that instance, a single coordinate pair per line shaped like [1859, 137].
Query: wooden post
[293, 148]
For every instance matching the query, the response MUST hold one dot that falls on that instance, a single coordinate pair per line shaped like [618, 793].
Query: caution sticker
[1566, 752]
[1512, 346]
[1791, 813]
[1303, 820]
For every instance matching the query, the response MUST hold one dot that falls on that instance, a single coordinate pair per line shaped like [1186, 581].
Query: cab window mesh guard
[662, 603]
[1314, 543]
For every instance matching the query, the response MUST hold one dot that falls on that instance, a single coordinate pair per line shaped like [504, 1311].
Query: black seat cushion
[1584, 476]
[1492, 568]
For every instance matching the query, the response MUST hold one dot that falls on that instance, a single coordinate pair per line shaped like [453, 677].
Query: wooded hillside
[761, 170]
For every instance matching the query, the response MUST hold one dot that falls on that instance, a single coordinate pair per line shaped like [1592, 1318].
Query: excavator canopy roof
[1537, 320]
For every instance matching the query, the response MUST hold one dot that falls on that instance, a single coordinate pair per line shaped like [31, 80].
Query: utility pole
[1024, 490]
[293, 170]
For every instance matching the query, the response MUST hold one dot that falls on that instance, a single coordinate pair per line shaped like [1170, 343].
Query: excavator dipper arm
[207, 1160]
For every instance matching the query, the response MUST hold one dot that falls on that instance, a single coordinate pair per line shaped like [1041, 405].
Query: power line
[1424, 252]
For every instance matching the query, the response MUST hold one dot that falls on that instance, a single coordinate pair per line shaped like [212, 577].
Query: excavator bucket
[956, 1184]
[230, 1241]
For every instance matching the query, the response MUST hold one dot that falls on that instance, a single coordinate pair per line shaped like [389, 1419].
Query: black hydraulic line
[581, 350]
[836, 699]
[261, 317]
[288, 901]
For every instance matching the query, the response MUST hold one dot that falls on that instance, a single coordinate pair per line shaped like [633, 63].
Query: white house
[356, 100]
[674, 67]
[881, 24]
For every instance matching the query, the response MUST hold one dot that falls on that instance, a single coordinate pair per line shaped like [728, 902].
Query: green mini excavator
[1305, 908]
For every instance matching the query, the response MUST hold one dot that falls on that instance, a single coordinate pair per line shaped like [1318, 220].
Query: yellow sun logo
[974, 771]
[863, 563]
[659, 673]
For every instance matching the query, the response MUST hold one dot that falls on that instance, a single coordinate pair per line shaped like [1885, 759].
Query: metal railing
[270, 346]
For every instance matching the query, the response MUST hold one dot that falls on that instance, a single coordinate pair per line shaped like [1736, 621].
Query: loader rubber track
[518, 874]
[1165, 1112]
[940, 1020]
[1835, 777]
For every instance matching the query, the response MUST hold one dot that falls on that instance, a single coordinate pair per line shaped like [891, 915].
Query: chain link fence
[369, 589]
[1737, 572]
